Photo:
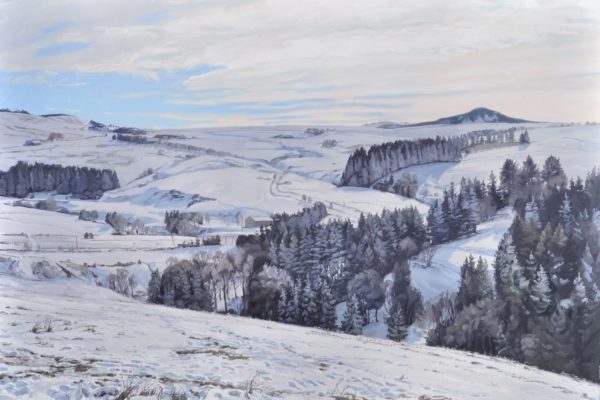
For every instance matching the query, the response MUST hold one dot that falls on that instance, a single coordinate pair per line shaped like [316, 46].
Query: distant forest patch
[82, 182]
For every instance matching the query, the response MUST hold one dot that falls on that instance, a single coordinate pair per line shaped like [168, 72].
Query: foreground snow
[64, 339]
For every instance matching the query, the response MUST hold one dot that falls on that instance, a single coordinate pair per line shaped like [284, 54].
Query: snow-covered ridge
[90, 342]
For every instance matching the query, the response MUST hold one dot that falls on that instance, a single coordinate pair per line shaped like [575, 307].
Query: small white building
[257, 222]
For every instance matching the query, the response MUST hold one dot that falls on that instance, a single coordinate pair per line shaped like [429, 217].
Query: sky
[178, 63]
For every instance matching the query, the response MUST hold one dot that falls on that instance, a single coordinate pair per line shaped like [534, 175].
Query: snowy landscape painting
[256, 199]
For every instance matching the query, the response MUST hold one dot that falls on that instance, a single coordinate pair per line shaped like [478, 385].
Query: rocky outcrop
[81, 182]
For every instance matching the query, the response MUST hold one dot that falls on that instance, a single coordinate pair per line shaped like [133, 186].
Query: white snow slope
[246, 171]
[98, 337]
[65, 340]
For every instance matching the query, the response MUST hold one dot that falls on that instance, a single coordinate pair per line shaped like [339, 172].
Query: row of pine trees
[82, 182]
[364, 168]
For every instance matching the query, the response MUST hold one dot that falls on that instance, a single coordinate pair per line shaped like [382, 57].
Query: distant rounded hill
[477, 115]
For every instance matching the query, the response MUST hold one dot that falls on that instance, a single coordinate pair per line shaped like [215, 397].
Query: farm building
[258, 222]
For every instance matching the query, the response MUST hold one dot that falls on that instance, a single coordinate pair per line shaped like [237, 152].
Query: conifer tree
[274, 255]
[470, 213]
[508, 180]
[510, 282]
[154, 288]
[352, 322]
[524, 137]
[309, 309]
[494, 195]
[327, 308]
[485, 286]
[297, 305]
[566, 215]
[282, 307]
[475, 283]
[532, 213]
[306, 252]
[397, 330]
[438, 224]
[286, 253]
[540, 294]
[552, 172]
[466, 295]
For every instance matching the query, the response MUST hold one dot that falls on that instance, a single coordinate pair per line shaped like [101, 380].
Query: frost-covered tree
[475, 328]
[310, 317]
[552, 172]
[154, 287]
[508, 180]
[540, 293]
[510, 282]
[367, 287]
[282, 307]
[470, 212]
[200, 296]
[296, 305]
[437, 224]
[532, 213]
[328, 318]
[475, 283]
[397, 330]
[566, 214]
[266, 287]
[176, 287]
[352, 322]
[117, 222]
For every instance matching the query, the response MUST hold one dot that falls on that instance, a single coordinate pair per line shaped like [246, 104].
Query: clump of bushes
[86, 215]
[212, 241]
[329, 143]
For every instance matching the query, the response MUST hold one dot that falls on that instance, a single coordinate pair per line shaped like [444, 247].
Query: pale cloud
[519, 57]
[135, 95]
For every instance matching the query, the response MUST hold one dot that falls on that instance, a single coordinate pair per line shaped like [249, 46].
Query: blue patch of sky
[129, 100]
[62, 48]
[56, 28]
[135, 100]
[96, 95]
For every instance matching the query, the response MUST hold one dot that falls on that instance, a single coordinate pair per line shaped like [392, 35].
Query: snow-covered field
[246, 172]
[234, 173]
[67, 340]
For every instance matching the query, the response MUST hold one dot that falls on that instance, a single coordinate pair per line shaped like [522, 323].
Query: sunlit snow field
[237, 172]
